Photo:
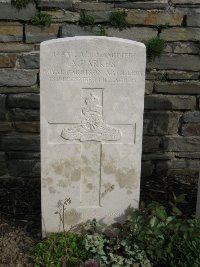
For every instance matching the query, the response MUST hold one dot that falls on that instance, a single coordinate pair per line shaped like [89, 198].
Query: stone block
[147, 168]
[14, 77]
[16, 142]
[189, 155]
[63, 15]
[169, 102]
[3, 166]
[180, 2]
[180, 34]
[178, 167]
[23, 155]
[159, 4]
[29, 61]
[175, 62]
[91, 6]
[19, 114]
[29, 127]
[193, 19]
[149, 87]
[70, 30]
[5, 126]
[37, 34]
[198, 101]
[182, 48]
[63, 4]
[186, 87]
[13, 90]
[100, 16]
[154, 17]
[9, 12]
[7, 61]
[151, 144]
[11, 32]
[171, 75]
[190, 129]
[158, 156]
[3, 109]
[24, 100]
[160, 123]
[191, 117]
[24, 167]
[182, 144]
[15, 47]
[141, 34]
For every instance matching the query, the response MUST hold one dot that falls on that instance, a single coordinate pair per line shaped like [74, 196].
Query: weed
[60, 249]
[20, 3]
[118, 19]
[160, 27]
[86, 19]
[154, 235]
[102, 31]
[155, 47]
[62, 206]
[41, 19]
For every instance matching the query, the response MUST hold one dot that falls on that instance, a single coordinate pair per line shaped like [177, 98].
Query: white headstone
[92, 100]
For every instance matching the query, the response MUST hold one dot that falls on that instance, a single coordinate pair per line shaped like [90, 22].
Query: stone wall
[171, 143]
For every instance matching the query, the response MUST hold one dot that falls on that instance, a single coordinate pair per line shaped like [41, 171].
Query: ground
[16, 243]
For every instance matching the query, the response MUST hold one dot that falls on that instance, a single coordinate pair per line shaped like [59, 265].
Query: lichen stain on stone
[63, 183]
[86, 168]
[125, 177]
[108, 187]
[46, 181]
[76, 175]
[51, 190]
[67, 169]
[72, 217]
[90, 186]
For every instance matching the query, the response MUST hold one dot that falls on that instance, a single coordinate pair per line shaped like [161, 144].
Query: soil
[16, 243]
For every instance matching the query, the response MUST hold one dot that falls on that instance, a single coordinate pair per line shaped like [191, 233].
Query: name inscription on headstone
[92, 98]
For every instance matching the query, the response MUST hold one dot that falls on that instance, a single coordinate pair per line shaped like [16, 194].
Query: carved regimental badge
[92, 127]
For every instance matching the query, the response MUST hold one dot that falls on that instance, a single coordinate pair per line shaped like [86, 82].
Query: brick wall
[171, 143]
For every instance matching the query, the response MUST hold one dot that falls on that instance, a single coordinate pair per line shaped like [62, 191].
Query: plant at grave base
[152, 236]
[102, 31]
[62, 206]
[60, 249]
[86, 19]
[155, 47]
[118, 19]
[110, 251]
[159, 233]
[41, 19]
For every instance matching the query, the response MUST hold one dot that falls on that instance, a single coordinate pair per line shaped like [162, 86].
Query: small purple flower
[91, 263]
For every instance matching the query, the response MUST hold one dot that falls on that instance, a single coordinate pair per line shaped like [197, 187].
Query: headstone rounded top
[95, 38]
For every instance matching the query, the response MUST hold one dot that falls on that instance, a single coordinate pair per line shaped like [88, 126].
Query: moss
[41, 19]
[155, 47]
[86, 19]
[102, 31]
[21, 3]
[118, 19]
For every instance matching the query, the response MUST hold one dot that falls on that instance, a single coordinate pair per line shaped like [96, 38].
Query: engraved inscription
[93, 67]
[92, 127]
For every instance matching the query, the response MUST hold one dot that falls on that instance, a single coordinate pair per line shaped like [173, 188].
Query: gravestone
[92, 100]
